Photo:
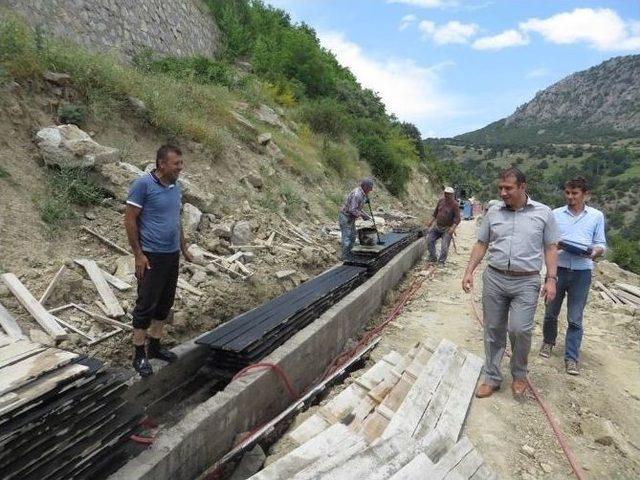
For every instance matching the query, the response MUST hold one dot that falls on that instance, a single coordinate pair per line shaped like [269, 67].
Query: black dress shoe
[163, 354]
[142, 366]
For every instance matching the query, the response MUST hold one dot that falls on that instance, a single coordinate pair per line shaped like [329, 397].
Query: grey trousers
[509, 305]
[434, 234]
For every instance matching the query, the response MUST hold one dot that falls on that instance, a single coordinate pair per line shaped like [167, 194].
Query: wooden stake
[52, 285]
[106, 240]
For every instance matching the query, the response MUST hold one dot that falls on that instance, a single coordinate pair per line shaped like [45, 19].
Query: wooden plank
[115, 281]
[37, 311]
[104, 290]
[418, 398]
[20, 374]
[187, 287]
[336, 457]
[375, 424]
[9, 324]
[18, 350]
[452, 458]
[5, 339]
[52, 285]
[339, 407]
[269, 241]
[111, 279]
[105, 336]
[469, 465]
[601, 286]
[234, 257]
[420, 467]
[434, 446]
[102, 319]
[450, 404]
[629, 289]
[106, 240]
[627, 298]
[334, 438]
[39, 387]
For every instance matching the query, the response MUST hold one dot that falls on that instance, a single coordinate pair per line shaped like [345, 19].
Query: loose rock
[241, 234]
[67, 146]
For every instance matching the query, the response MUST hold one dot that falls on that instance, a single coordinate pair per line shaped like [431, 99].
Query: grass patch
[4, 173]
[341, 157]
[68, 187]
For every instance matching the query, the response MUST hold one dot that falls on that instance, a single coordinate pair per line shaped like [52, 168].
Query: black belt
[513, 273]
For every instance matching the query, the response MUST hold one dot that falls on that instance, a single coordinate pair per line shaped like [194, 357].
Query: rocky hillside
[598, 104]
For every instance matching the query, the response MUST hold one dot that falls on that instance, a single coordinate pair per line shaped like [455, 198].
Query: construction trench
[203, 416]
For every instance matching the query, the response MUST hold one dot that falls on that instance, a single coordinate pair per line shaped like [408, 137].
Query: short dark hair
[513, 172]
[164, 150]
[577, 182]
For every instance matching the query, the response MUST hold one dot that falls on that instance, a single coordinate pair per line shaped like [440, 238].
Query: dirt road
[598, 412]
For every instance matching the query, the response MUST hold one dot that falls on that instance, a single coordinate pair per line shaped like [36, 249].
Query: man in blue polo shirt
[583, 239]
[154, 230]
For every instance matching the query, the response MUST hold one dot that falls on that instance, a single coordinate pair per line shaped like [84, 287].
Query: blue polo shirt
[584, 230]
[159, 219]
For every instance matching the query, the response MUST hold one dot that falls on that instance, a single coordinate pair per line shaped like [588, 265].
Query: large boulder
[117, 178]
[241, 234]
[191, 217]
[67, 146]
[196, 196]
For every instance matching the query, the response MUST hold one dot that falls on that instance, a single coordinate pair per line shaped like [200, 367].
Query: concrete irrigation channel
[202, 433]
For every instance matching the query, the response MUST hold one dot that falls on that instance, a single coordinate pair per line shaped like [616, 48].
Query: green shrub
[18, 47]
[77, 187]
[4, 173]
[71, 113]
[326, 116]
[624, 252]
[55, 210]
[199, 69]
[340, 157]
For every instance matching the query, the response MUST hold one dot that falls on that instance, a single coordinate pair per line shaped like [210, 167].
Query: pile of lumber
[402, 419]
[253, 335]
[61, 414]
[620, 294]
[56, 328]
[375, 257]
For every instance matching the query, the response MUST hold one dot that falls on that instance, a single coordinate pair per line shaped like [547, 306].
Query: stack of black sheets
[254, 334]
[393, 243]
[66, 421]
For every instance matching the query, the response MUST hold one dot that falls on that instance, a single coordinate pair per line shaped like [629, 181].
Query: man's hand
[597, 251]
[187, 256]
[452, 231]
[467, 282]
[142, 265]
[548, 290]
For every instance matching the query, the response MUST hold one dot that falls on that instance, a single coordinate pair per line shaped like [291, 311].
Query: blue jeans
[575, 285]
[348, 231]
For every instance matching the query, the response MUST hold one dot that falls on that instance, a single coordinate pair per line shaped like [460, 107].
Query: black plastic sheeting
[251, 336]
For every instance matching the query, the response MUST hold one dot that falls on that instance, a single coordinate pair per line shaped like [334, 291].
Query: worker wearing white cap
[446, 217]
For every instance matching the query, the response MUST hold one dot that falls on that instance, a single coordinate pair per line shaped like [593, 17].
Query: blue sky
[452, 66]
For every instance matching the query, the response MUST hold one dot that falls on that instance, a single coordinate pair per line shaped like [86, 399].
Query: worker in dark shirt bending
[446, 217]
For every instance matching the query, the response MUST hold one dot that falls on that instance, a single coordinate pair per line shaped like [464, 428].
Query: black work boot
[158, 351]
[142, 366]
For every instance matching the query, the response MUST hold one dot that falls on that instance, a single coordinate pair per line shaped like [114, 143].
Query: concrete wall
[169, 27]
[208, 431]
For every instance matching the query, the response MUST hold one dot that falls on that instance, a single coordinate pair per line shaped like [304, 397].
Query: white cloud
[427, 3]
[538, 72]
[506, 39]
[407, 21]
[450, 32]
[410, 91]
[601, 28]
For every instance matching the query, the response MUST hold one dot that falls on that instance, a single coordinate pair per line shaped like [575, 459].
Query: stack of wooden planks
[620, 294]
[61, 414]
[254, 334]
[400, 420]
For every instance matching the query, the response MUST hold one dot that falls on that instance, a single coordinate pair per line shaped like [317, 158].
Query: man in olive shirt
[446, 217]
[517, 232]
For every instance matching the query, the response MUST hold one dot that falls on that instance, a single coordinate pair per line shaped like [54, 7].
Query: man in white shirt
[583, 239]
